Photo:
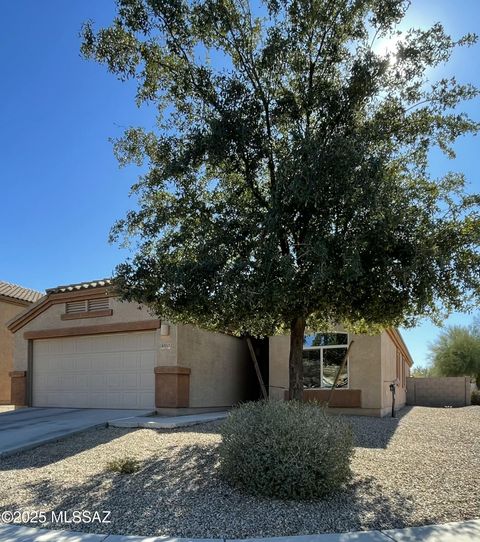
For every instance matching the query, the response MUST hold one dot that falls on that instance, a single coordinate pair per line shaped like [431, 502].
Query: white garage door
[97, 371]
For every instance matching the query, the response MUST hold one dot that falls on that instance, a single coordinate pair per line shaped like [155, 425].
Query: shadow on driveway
[31, 427]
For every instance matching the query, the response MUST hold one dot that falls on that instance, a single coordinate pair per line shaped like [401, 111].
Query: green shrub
[288, 450]
[476, 397]
[125, 465]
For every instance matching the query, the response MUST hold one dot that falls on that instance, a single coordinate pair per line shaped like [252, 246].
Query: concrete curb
[465, 531]
[173, 422]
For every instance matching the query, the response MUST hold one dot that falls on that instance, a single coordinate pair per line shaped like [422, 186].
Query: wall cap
[17, 374]
[172, 369]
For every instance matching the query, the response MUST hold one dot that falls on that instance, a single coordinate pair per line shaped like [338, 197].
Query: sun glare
[387, 46]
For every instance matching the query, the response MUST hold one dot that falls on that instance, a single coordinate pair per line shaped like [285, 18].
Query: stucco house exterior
[80, 346]
[13, 300]
[374, 363]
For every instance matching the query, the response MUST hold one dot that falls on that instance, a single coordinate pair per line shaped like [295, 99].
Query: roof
[19, 292]
[79, 286]
[78, 291]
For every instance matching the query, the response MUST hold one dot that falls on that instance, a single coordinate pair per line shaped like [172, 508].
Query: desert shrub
[125, 465]
[288, 450]
[476, 397]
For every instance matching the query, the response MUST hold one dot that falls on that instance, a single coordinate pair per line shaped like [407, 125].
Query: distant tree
[288, 182]
[422, 372]
[456, 352]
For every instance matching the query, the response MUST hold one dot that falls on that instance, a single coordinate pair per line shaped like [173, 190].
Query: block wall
[439, 391]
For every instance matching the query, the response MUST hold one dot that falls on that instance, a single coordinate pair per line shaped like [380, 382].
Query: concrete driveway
[29, 427]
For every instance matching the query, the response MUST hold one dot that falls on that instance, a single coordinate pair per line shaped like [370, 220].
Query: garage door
[98, 371]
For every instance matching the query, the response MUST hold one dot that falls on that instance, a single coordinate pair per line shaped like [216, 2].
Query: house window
[89, 305]
[323, 354]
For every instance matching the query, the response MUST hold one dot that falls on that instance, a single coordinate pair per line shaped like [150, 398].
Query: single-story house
[13, 300]
[80, 346]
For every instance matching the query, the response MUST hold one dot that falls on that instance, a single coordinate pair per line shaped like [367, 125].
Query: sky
[61, 188]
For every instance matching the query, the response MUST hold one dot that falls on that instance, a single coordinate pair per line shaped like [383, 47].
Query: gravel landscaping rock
[419, 469]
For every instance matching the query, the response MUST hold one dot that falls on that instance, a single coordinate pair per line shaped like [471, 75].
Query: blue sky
[61, 187]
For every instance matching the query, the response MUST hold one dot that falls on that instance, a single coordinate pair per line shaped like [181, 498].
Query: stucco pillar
[18, 388]
[172, 387]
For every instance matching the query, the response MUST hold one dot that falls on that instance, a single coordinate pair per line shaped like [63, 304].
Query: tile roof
[79, 286]
[18, 292]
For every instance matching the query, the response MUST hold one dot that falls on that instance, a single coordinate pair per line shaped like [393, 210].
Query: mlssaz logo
[81, 516]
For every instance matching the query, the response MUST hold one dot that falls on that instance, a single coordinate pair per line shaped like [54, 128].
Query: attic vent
[91, 305]
[75, 306]
[98, 304]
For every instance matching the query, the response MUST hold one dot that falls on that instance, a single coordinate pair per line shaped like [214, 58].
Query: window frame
[330, 347]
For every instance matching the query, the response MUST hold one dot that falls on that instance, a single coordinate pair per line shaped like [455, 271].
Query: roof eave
[15, 300]
[53, 298]
[404, 346]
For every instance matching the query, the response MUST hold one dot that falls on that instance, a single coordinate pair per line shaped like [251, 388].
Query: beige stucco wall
[122, 312]
[218, 366]
[7, 312]
[389, 374]
[365, 371]
[217, 362]
[364, 368]
[279, 349]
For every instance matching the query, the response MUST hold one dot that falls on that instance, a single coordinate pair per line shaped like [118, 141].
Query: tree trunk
[477, 381]
[295, 362]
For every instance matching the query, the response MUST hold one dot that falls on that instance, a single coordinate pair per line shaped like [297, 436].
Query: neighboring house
[79, 346]
[13, 300]
[374, 362]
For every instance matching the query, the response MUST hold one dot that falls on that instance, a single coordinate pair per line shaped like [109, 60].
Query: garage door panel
[42, 347]
[65, 347]
[144, 381]
[130, 381]
[107, 371]
[99, 383]
[146, 359]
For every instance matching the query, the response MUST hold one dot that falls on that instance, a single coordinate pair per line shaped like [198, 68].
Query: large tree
[287, 180]
[456, 352]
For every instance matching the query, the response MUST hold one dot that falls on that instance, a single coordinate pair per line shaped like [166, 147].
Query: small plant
[288, 450]
[125, 465]
[476, 397]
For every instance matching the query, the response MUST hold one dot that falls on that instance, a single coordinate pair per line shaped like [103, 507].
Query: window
[323, 354]
[90, 305]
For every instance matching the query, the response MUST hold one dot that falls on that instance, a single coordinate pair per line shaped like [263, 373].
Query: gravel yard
[422, 468]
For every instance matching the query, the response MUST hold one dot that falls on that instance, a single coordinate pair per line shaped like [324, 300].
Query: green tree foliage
[422, 372]
[287, 180]
[456, 352]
